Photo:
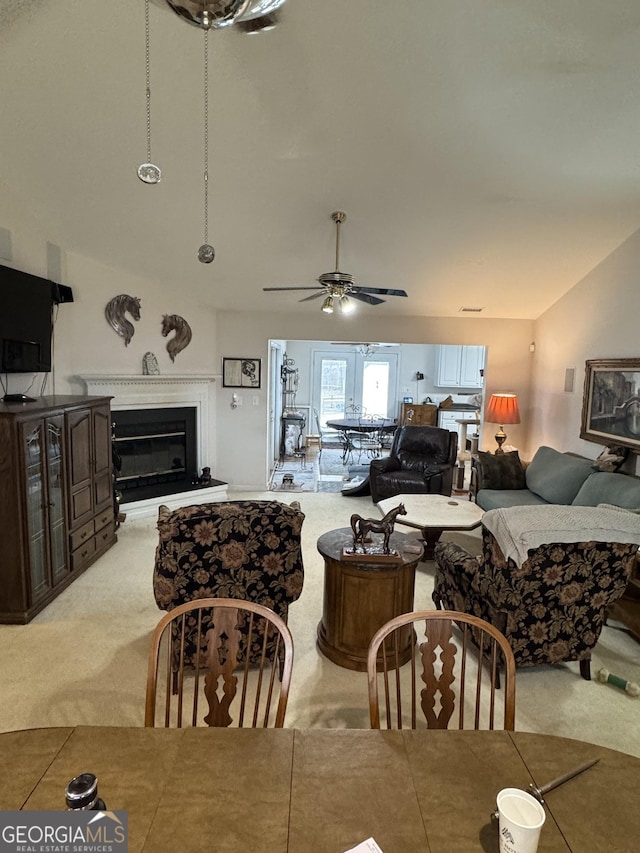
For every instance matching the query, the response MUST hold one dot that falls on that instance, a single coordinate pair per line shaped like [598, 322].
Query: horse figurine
[177, 324]
[115, 311]
[363, 526]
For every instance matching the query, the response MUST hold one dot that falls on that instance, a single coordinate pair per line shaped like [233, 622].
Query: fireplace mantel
[123, 385]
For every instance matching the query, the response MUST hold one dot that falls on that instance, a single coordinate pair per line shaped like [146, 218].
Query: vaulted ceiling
[485, 151]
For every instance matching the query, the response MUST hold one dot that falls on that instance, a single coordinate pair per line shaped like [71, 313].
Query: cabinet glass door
[34, 449]
[55, 475]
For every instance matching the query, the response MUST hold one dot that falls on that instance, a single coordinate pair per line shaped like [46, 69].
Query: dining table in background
[379, 426]
[325, 790]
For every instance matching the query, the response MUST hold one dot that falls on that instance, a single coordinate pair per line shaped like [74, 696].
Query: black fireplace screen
[155, 451]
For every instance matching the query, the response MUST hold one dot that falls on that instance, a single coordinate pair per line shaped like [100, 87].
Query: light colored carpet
[83, 660]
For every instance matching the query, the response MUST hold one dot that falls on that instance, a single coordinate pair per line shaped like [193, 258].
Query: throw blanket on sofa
[518, 529]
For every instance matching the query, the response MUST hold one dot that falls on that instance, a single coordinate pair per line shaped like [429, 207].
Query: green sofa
[501, 481]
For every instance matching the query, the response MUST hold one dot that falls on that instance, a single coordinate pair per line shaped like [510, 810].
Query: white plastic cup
[520, 817]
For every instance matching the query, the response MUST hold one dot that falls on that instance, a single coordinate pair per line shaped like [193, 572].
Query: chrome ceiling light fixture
[252, 15]
[148, 172]
[211, 15]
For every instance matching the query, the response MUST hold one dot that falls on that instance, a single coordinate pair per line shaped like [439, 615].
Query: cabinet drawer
[83, 554]
[84, 534]
[103, 536]
[104, 518]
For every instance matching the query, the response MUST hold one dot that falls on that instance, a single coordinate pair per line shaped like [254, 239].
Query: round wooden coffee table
[360, 597]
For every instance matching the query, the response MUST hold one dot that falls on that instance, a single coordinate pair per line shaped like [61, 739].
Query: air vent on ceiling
[471, 310]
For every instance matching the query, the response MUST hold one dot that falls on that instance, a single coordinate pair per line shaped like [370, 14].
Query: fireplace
[133, 397]
[155, 451]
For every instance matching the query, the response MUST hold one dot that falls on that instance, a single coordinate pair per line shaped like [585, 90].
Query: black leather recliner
[421, 461]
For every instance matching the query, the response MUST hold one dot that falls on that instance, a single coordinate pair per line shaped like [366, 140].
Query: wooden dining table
[325, 790]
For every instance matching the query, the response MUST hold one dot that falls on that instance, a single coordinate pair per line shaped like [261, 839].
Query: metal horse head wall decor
[182, 339]
[115, 313]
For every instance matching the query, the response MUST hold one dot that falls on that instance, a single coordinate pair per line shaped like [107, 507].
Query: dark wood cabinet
[418, 414]
[56, 498]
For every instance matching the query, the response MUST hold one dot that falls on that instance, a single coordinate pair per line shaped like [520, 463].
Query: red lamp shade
[502, 409]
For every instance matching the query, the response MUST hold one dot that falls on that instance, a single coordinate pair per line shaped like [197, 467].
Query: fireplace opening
[156, 452]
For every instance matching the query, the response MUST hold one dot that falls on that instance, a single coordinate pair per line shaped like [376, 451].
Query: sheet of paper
[368, 846]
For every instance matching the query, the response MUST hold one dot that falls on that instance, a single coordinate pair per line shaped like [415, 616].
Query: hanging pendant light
[209, 14]
[148, 172]
[258, 8]
[206, 252]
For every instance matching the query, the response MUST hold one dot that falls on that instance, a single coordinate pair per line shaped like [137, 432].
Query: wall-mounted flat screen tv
[25, 322]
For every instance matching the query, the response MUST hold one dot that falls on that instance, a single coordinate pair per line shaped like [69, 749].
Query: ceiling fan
[338, 287]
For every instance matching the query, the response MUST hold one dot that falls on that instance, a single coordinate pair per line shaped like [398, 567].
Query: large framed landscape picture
[611, 402]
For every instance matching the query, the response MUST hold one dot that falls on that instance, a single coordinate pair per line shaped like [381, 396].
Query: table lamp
[502, 409]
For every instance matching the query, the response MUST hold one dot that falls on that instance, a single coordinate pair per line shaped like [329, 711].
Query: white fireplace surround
[146, 392]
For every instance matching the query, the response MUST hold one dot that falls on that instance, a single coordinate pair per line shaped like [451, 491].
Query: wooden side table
[360, 597]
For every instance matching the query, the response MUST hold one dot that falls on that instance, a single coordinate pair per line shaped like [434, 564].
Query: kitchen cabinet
[460, 366]
[448, 419]
[40, 454]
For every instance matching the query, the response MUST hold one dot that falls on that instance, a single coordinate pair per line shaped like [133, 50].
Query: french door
[341, 380]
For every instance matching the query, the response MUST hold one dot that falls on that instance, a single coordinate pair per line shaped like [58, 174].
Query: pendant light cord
[206, 135]
[147, 59]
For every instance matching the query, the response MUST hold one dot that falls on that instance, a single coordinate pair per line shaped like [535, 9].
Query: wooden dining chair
[460, 654]
[202, 647]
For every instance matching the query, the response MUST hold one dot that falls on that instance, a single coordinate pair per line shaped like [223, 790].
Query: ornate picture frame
[611, 402]
[241, 372]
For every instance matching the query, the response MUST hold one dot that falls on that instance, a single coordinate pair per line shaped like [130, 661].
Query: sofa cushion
[500, 470]
[495, 498]
[556, 477]
[603, 487]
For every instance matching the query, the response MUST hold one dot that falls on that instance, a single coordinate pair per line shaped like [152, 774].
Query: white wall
[598, 318]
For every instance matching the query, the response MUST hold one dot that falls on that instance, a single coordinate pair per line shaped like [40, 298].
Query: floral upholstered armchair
[549, 600]
[248, 550]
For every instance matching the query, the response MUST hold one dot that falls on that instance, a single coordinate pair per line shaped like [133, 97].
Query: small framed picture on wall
[241, 372]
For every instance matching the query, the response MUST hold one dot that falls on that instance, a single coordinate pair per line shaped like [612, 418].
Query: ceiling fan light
[346, 305]
[327, 305]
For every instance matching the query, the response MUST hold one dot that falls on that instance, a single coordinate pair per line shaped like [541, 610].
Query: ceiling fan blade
[365, 297]
[317, 295]
[316, 287]
[386, 291]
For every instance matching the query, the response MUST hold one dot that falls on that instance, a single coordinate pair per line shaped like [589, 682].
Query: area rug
[294, 476]
[320, 472]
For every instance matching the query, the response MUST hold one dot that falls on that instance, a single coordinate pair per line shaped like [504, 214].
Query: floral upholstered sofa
[249, 550]
[545, 577]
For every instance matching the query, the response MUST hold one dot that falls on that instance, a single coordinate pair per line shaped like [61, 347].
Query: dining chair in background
[206, 643]
[411, 683]
[315, 438]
